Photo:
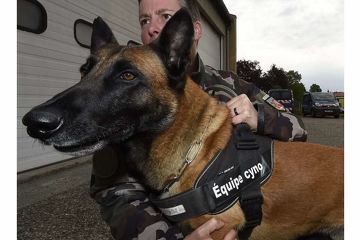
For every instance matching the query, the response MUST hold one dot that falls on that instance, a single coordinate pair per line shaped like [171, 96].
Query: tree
[249, 71]
[293, 77]
[276, 78]
[315, 88]
[298, 90]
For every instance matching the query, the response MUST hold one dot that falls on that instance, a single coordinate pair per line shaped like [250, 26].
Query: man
[153, 16]
[124, 204]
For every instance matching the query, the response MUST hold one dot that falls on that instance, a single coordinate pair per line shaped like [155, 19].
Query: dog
[141, 98]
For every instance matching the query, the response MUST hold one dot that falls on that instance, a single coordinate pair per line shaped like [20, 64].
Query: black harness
[234, 174]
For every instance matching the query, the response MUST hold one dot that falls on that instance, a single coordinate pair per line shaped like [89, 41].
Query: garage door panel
[48, 63]
[209, 46]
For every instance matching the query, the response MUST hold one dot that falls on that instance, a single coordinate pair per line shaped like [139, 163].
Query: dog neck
[191, 154]
[199, 117]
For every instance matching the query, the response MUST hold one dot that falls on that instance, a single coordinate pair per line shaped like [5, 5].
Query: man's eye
[167, 16]
[144, 22]
[127, 76]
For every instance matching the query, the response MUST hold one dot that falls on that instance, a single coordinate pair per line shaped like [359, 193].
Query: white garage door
[48, 63]
[210, 46]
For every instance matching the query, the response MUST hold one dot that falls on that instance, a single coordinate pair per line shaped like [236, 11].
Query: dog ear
[174, 46]
[101, 35]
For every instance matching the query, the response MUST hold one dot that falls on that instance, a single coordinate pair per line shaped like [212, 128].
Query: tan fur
[304, 194]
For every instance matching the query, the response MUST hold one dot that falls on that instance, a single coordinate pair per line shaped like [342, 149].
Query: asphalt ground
[326, 130]
[54, 202]
[56, 205]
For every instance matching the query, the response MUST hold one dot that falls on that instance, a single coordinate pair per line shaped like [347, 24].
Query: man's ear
[198, 30]
[101, 35]
[174, 47]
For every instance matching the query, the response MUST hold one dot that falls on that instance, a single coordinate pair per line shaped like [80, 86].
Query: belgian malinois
[141, 98]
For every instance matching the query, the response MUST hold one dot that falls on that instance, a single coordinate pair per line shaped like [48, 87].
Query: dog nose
[42, 123]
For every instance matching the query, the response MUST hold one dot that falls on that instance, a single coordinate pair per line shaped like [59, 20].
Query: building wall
[48, 63]
[232, 44]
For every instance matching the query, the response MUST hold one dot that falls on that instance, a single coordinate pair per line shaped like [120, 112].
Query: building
[340, 97]
[53, 38]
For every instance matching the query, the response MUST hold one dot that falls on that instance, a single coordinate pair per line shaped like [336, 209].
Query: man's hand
[242, 111]
[203, 232]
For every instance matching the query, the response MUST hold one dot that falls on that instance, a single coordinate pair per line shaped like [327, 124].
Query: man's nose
[155, 29]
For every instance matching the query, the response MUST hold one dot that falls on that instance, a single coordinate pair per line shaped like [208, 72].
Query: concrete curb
[50, 169]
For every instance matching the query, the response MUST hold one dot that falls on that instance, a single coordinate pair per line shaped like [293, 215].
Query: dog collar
[191, 154]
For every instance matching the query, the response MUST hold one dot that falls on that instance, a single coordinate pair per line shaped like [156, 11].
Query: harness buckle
[245, 138]
[247, 145]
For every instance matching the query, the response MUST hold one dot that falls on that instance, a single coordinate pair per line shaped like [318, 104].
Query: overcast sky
[301, 35]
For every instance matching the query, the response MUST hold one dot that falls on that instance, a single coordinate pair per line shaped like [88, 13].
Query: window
[281, 94]
[286, 95]
[275, 95]
[31, 16]
[82, 33]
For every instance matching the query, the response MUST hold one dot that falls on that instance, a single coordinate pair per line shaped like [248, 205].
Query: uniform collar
[199, 75]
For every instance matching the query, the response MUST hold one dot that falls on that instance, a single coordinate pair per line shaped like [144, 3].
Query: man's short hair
[191, 6]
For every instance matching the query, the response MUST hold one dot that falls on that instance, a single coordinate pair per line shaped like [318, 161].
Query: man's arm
[123, 202]
[283, 126]
[129, 214]
[265, 121]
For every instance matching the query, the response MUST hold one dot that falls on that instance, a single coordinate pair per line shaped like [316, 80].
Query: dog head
[123, 91]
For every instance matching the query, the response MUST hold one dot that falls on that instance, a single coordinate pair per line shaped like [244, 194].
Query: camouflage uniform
[124, 203]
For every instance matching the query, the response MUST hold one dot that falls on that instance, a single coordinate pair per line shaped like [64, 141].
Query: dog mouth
[81, 149]
[91, 144]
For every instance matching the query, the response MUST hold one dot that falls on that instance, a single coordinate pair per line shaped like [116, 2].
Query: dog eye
[128, 76]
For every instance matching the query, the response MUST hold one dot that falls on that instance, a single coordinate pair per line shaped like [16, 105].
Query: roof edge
[224, 11]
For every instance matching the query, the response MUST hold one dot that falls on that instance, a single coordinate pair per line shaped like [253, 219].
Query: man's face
[153, 15]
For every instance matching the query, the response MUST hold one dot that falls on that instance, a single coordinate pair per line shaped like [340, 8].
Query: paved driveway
[327, 130]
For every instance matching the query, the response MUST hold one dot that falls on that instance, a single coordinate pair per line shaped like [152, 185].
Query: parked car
[320, 103]
[283, 96]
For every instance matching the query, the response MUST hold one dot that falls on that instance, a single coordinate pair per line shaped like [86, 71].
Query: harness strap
[189, 204]
[261, 118]
[251, 198]
[251, 203]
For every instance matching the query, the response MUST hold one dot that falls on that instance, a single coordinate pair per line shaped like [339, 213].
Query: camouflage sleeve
[283, 126]
[130, 215]
[278, 124]
[123, 202]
